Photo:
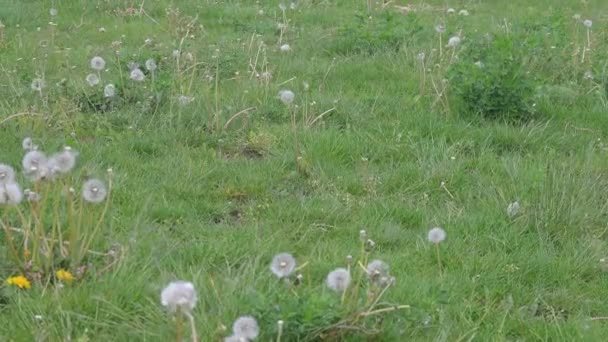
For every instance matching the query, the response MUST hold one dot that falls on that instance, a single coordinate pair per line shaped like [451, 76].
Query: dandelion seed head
[37, 84]
[148, 41]
[513, 209]
[35, 165]
[7, 174]
[176, 53]
[479, 64]
[440, 28]
[588, 23]
[338, 280]
[179, 295]
[151, 64]
[137, 75]
[285, 48]
[376, 270]
[31, 196]
[421, 56]
[92, 80]
[576, 16]
[283, 265]
[98, 63]
[287, 96]
[463, 12]
[10, 194]
[64, 161]
[109, 90]
[451, 11]
[454, 41]
[53, 12]
[94, 191]
[184, 100]
[28, 144]
[436, 235]
[247, 327]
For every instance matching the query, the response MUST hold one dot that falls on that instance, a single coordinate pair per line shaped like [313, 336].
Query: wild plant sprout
[436, 236]
[49, 229]
[246, 327]
[179, 297]
[283, 265]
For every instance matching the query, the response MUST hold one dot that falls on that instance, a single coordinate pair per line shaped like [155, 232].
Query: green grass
[214, 205]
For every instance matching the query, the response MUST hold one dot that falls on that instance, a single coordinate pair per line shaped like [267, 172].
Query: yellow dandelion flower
[64, 275]
[19, 281]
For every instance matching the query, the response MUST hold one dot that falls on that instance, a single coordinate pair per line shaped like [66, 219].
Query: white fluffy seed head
[98, 63]
[247, 327]
[588, 23]
[37, 84]
[28, 144]
[7, 174]
[137, 75]
[338, 280]
[440, 28]
[463, 12]
[92, 80]
[285, 48]
[377, 269]
[179, 295]
[64, 161]
[184, 100]
[53, 12]
[10, 194]
[35, 166]
[454, 41]
[94, 191]
[436, 235]
[451, 11]
[109, 90]
[283, 265]
[513, 209]
[151, 64]
[286, 96]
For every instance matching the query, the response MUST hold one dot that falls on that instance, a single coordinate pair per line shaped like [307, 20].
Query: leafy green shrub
[490, 79]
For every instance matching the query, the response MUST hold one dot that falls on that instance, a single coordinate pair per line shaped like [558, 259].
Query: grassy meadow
[395, 128]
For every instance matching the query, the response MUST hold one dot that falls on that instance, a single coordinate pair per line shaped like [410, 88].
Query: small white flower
[440, 28]
[283, 265]
[102, 29]
[436, 235]
[92, 80]
[151, 64]
[588, 23]
[338, 279]
[137, 75]
[179, 295]
[463, 12]
[479, 64]
[513, 209]
[37, 84]
[588, 75]
[53, 12]
[109, 90]
[247, 327]
[148, 41]
[98, 63]
[10, 194]
[94, 191]
[7, 174]
[285, 48]
[454, 41]
[286, 96]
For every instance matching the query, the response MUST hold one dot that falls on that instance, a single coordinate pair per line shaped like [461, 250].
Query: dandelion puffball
[35, 165]
[436, 235]
[37, 84]
[92, 80]
[137, 75]
[247, 327]
[94, 191]
[286, 96]
[109, 90]
[451, 11]
[64, 161]
[98, 63]
[179, 295]
[377, 269]
[283, 265]
[176, 53]
[463, 12]
[7, 174]
[513, 209]
[28, 144]
[53, 12]
[10, 194]
[184, 100]
[454, 41]
[440, 28]
[151, 64]
[338, 279]
[285, 48]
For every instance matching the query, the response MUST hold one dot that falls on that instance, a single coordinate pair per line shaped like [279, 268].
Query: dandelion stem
[438, 259]
[192, 326]
[178, 333]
